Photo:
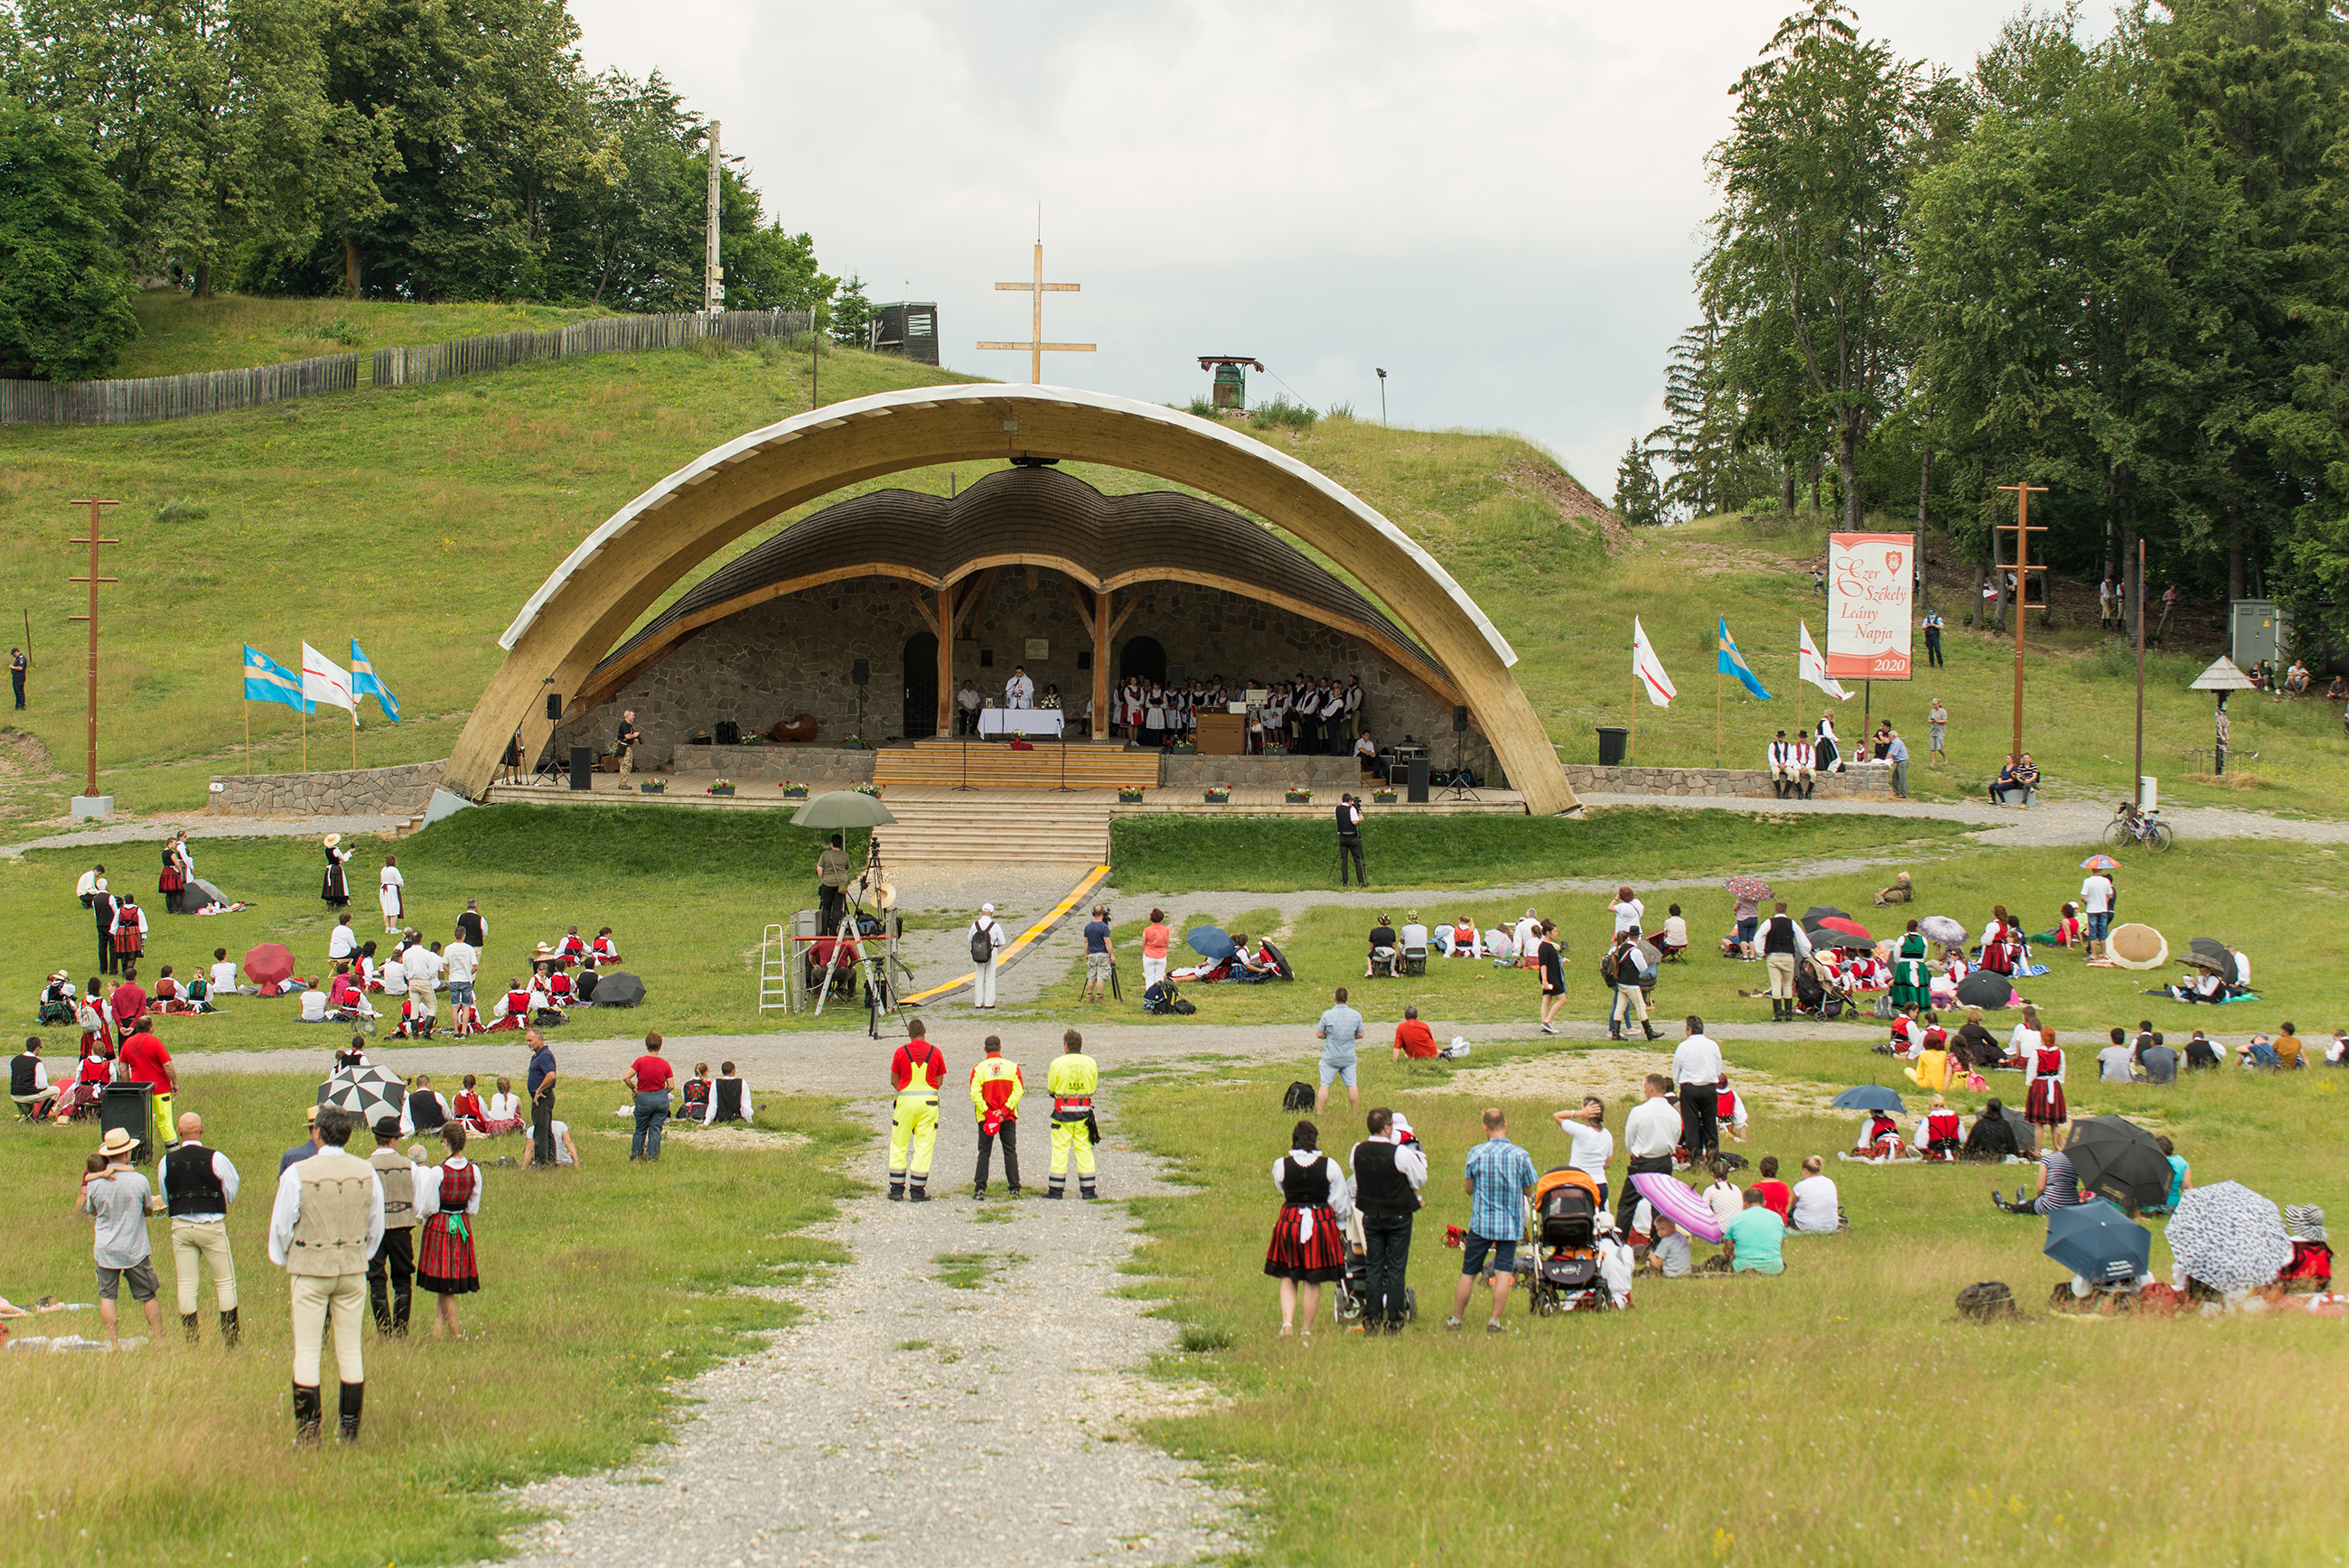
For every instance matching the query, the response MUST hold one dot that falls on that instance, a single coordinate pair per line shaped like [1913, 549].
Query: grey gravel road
[199, 826]
[904, 1420]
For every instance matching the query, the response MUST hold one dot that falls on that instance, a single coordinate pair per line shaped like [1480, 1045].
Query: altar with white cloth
[1035, 723]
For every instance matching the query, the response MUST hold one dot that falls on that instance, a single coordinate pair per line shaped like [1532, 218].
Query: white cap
[986, 909]
[1401, 1124]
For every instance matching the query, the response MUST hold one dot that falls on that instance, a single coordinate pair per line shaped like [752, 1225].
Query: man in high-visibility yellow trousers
[996, 1088]
[1070, 1083]
[916, 1070]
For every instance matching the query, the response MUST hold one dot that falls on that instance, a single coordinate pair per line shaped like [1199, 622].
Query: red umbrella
[269, 964]
[1847, 927]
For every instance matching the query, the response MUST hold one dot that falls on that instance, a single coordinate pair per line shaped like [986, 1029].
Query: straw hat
[545, 951]
[115, 1142]
[331, 839]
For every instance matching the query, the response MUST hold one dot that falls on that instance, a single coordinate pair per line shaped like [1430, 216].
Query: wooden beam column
[945, 662]
[1101, 664]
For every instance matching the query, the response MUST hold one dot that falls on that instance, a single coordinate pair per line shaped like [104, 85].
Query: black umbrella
[618, 988]
[1819, 912]
[2209, 953]
[2117, 1158]
[1984, 988]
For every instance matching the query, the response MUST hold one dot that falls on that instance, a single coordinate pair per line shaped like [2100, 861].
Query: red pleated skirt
[2045, 1106]
[1318, 1260]
[445, 1263]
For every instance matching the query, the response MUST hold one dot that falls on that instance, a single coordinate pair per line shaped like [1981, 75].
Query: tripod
[1460, 791]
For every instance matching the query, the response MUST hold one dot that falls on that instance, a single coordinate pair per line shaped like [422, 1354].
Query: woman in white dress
[1153, 722]
[389, 892]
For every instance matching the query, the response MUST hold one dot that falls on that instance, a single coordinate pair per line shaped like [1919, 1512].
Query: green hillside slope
[418, 520]
[178, 334]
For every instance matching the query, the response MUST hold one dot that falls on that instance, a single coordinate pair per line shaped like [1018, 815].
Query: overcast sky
[1496, 200]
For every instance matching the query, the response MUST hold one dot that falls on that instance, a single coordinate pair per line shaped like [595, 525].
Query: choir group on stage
[1303, 715]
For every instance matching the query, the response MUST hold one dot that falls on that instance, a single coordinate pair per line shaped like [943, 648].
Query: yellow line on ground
[1025, 940]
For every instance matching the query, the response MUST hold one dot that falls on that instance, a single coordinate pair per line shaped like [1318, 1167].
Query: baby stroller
[1564, 1246]
[1353, 1290]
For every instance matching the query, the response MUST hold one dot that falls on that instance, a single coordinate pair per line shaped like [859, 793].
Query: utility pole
[713, 276]
[89, 802]
[2137, 779]
[1383, 399]
[2023, 491]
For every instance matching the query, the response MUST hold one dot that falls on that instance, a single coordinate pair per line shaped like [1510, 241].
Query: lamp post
[1383, 399]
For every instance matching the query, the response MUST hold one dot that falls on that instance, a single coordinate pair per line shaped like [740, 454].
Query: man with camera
[1350, 840]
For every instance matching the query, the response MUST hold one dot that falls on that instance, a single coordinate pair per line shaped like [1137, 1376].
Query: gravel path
[199, 826]
[906, 1420]
[2047, 823]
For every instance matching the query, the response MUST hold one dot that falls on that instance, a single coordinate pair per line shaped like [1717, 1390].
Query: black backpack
[982, 942]
[1298, 1098]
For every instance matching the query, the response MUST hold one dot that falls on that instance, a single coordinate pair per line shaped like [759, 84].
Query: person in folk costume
[335, 890]
[1999, 944]
[1880, 1136]
[1333, 704]
[996, 1089]
[2043, 1105]
[729, 1098]
[572, 950]
[172, 880]
[1070, 1083]
[410, 1195]
[129, 931]
[1308, 1248]
[603, 951]
[1154, 717]
[1801, 759]
[1912, 986]
[445, 1260]
[915, 1072]
[101, 905]
[1827, 755]
[391, 894]
[513, 1009]
[326, 1223]
[1940, 1131]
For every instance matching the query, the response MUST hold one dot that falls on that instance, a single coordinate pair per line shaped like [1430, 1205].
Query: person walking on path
[1340, 1032]
[1937, 730]
[1551, 959]
[1308, 1249]
[541, 1083]
[915, 1072]
[1651, 1133]
[409, 1196]
[648, 1079]
[198, 1184]
[1099, 960]
[1783, 943]
[1498, 1175]
[1388, 1169]
[1933, 639]
[1070, 1083]
[326, 1223]
[118, 1200]
[1697, 1068]
[446, 1262]
[996, 1090]
[1155, 940]
[987, 943]
[1897, 751]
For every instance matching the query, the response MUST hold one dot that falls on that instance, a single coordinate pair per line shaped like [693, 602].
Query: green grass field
[178, 334]
[686, 894]
[1839, 1412]
[1273, 854]
[419, 520]
[2233, 890]
[185, 1451]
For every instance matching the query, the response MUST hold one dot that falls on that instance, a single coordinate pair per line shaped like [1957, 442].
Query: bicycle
[2131, 826]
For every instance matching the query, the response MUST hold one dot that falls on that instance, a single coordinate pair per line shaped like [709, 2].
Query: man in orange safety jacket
[996, 1087]
[916, 1070]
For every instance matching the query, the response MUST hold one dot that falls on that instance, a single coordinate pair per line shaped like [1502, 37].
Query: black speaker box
[130, 1107]
[1459, 719]
[861, 671]
[582, 763]
[553, 707]
[1416, 786]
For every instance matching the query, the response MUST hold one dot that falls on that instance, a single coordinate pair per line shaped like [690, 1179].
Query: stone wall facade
[401, 791]
[791, 656]
[1738, 782]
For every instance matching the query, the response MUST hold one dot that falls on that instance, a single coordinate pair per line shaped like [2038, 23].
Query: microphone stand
[969, 724]
[1063, 788]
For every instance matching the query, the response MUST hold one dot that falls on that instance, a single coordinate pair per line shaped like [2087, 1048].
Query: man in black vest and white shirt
[1388, 1169]
[198, 1184]
[1784, 945]
[729, 1099]
[326, 1223]
[1350, 840]
[412, 1196]
[28, 1079]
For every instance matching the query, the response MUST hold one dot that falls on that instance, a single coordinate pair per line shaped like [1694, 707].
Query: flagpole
[306, 740]
[1631, 733]
[355, 734]
[248, 738]
[1717, 714]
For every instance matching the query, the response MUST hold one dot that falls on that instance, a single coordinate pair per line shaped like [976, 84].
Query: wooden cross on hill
[1037, 289]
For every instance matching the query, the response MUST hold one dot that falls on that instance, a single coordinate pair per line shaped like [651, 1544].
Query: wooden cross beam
[1037, 288]
[92, 541]
[2022, 531]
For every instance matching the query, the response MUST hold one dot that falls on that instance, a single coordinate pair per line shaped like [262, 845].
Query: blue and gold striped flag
[266, 680]
[1733, 663]
[363, 684]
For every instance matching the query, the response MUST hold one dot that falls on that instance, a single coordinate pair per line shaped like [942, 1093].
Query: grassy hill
[419, 519]
[178, 334]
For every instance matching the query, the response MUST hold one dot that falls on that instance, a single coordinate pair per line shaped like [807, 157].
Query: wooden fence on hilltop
[131, 402]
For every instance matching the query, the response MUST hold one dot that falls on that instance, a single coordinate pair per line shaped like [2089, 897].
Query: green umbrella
[842, 808]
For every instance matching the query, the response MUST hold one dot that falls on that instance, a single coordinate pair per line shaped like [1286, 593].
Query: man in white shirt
[1019, 691]
[1594, 1146]
[1815, 1205]
[2096, 909]
[1527, 935]
[990, 929]
[1651, 1133]
[92, 881]
[966, 701]
[423, 966]
[461, 962]
[1779, 756]
[342, 942]
[1389, 1169]
[1799, 759]
[1697, 1068]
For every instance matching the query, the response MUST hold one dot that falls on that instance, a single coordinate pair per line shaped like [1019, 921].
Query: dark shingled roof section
[1035, 512]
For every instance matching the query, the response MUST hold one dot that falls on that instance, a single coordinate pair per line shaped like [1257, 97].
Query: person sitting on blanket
[1880, 1136]
[603, 952]
[505, 1110]
[1993, 1136]
[571, 950]
[1459, 940]
[1940, 1131]
[697, 1093]
[466, 1105]
[2200, 986]
[512, 1011]
[1246, 965]
[2065, 931]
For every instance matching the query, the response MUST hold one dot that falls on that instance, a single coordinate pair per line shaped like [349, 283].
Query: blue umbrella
[1212, 943]
[2099, 1242]
[1869, 1097]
